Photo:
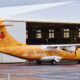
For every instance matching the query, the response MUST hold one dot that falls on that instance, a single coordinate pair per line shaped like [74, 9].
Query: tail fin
[5, 38]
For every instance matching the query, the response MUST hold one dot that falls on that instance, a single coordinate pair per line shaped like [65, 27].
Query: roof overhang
[45, 21]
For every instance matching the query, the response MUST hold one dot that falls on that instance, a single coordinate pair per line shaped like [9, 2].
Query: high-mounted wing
[68, 47]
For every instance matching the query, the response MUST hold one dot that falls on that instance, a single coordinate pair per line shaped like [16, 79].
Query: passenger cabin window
[38, 33]
[66, 33]
[51, 33]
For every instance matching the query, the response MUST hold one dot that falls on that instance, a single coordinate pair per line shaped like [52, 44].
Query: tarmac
[31, 71]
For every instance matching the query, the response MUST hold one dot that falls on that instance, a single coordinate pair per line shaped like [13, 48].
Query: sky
[63, 12]
[5, 3]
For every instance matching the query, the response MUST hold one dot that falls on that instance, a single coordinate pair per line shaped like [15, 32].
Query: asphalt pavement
[31, 71]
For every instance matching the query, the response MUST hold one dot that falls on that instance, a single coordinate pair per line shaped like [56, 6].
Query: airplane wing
[16, 10]
[55, 59]
[67, 47]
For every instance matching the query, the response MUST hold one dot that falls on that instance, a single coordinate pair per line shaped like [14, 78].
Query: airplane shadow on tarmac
[64, 63]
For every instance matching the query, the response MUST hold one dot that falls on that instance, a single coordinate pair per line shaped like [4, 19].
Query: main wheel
[78, 61]
[39, 62]
[53, 62]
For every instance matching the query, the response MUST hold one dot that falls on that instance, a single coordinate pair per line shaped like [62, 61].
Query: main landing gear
[38, 62]
[78, 61]
[52, 62]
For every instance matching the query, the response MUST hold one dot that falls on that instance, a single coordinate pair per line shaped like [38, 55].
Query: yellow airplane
[38, 53]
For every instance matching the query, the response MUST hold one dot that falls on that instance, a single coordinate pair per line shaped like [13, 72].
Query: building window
[79, 32]
[26, 34]
[66, 33]
[38, 33]
[51, 33]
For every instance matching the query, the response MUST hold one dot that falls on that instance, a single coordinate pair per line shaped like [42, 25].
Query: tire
[53, 62]
[39, 62]
[78, 61]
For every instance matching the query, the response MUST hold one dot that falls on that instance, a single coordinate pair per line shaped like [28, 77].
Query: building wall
[1, 57]
[18, 31]
[53, 33]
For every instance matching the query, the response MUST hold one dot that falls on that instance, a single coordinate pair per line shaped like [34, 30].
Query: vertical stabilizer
[5, 38]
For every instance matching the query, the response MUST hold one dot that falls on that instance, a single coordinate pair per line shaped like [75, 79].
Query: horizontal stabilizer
[2, 25]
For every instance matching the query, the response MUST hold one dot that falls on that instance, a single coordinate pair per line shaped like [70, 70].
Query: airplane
[39, 53]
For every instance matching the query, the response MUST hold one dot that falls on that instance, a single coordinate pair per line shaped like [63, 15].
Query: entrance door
[73, 35]
[58, 35]
[45, 35]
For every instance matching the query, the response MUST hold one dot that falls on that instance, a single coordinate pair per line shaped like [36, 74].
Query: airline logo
[2, 35]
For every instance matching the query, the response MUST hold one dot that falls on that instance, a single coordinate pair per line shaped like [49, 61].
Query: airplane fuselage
[35, 52]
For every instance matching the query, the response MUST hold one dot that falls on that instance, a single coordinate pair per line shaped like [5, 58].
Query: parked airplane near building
[38, 53]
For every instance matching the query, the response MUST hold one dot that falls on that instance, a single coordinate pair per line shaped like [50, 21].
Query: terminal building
[52, 33]
[44, 33]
